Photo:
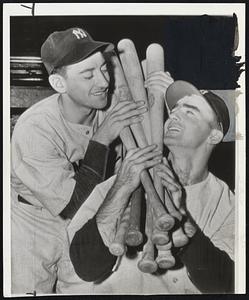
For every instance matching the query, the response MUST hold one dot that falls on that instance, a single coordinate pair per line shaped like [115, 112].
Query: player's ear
[58, 83]
[215, 136]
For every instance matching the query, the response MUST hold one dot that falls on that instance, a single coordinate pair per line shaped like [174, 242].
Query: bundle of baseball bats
[162, 216]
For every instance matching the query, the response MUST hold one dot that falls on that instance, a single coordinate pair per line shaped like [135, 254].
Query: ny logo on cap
[79, 33]
[203, 92]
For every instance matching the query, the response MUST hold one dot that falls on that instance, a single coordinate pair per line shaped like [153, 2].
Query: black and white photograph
[124, 149]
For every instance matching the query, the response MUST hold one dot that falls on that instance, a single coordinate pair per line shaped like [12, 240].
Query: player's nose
[102, 80]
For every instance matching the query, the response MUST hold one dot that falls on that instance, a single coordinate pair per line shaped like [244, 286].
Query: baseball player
[60, 150]
[197, 122]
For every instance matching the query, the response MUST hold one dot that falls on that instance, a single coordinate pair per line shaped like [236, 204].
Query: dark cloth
[210, 269]
[91, 171]
[90, 256]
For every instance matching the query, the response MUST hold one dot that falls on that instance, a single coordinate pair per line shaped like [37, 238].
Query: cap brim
[178, 90]
[83, 51]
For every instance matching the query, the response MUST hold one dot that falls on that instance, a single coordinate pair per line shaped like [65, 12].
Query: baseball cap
[70, 46]
[180, 89]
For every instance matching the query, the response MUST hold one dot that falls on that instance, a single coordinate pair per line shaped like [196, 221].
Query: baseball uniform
[53, 161]
[208, 257]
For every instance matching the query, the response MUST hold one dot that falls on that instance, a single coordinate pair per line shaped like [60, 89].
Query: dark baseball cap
[179, 89]
[63, 48]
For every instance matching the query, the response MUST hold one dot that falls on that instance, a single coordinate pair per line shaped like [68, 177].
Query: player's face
[189, 123]
[87, 82]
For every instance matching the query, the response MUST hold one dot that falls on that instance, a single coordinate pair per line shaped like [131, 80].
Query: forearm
[91, 172]
[209, 268]
[89, 250]
[111, 211]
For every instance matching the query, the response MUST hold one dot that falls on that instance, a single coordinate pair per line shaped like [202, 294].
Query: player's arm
[89, 251]
[209, 268]
[91, 171]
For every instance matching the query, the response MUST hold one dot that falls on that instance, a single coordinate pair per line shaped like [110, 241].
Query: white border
[46, 9]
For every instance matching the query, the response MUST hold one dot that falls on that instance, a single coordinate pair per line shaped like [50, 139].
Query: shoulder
[222, 185]
[37, 116]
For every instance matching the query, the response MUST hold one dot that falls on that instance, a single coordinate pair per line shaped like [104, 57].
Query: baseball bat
[134, 77]
[158, 237]
[147, 263]
[155, 63]
[133, 235]
[117, 247]
[163, 220]
[165, 259]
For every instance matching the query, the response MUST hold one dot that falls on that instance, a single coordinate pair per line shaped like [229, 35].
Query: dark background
[198, 49]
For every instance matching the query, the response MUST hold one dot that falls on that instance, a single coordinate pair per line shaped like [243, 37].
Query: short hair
[60, 70]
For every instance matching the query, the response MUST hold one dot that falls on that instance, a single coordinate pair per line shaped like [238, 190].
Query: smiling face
[190, 123]
[87, 82]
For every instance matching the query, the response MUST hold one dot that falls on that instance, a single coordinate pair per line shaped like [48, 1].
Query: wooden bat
[133, 236]
[117, 247]
[147, 263]
[155, 63]
[165, 259]
[163, 220]
[134, 77]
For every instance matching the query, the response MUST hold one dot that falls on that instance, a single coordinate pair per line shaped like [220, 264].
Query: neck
[190, 166]
[75, 113]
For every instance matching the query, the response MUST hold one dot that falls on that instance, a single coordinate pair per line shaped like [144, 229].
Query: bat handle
[189, 228]
[133, 236]
[179, 238]
[147, 263]
[163, 220]
[117, 247]
[165, 259]
[159, 237]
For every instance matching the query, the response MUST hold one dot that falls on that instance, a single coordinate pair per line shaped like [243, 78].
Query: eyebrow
[188, 106]
[91, 69]
[86, 70]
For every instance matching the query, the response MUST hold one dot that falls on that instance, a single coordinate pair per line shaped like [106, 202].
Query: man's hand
[136, 160]
[127, 180]
[123, 114]
[159, 81]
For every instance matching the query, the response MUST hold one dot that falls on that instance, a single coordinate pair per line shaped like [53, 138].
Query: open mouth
[174, 129]
[101, 93]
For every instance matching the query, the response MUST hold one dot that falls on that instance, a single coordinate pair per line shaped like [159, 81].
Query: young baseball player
[197, 123]
[60, 150]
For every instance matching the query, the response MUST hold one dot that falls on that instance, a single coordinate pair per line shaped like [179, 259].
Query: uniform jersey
[44, 147]
[211, 204]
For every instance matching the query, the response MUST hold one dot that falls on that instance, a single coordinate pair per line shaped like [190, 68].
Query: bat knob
[179, 238]
[189, 229]
[147, 266]
[165, 222]
[160, 237]
[133, 238]
[117, 249]
[165, 261]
